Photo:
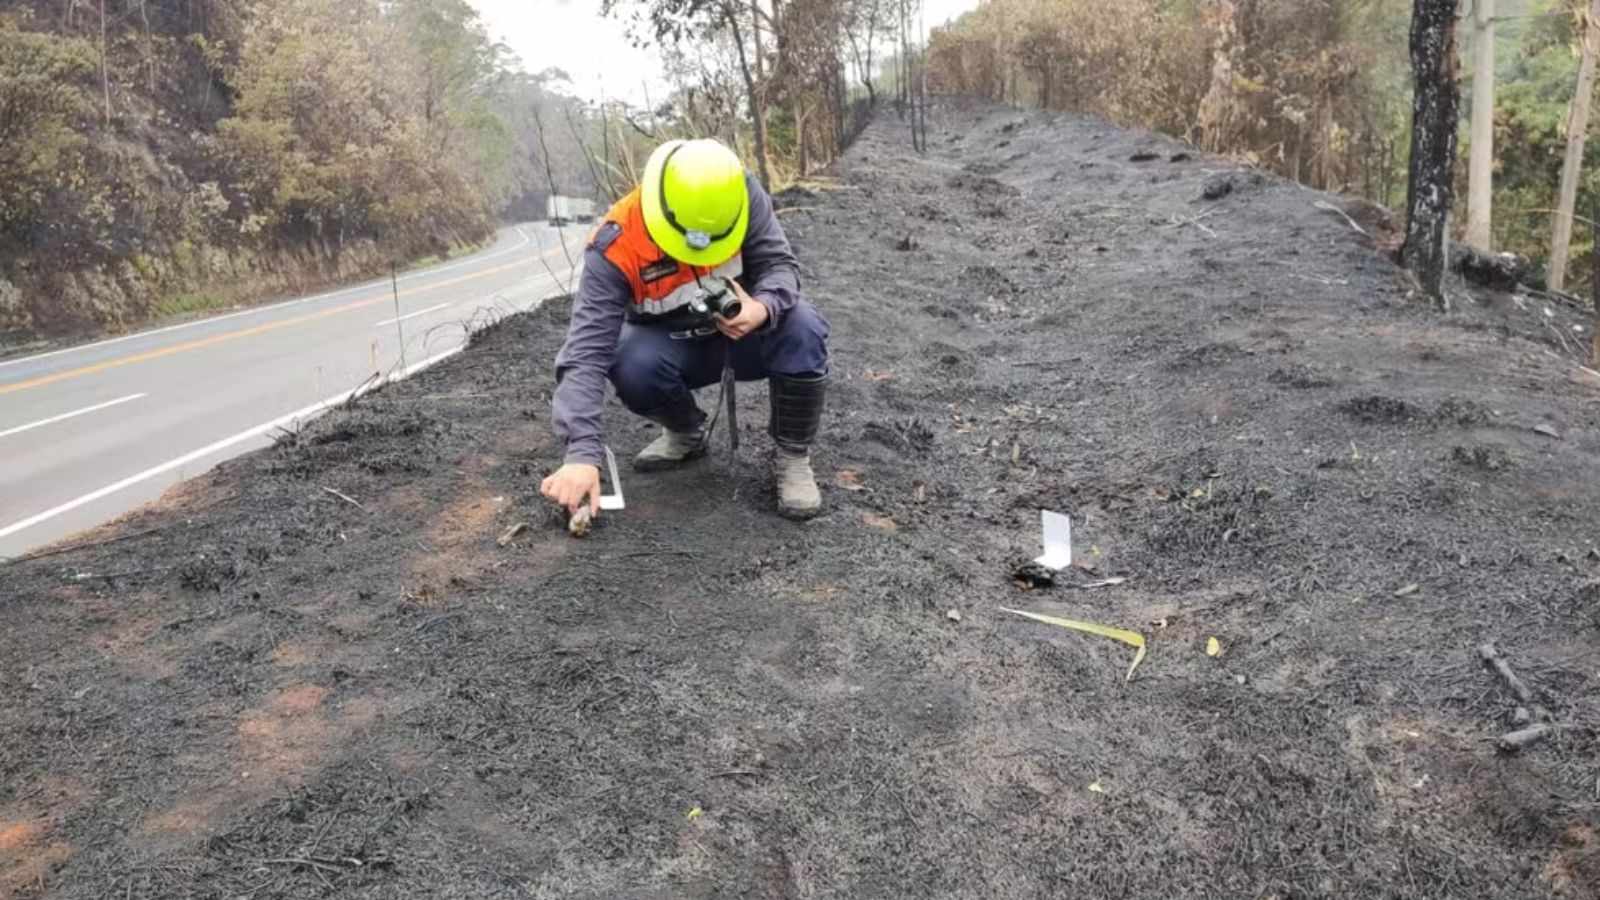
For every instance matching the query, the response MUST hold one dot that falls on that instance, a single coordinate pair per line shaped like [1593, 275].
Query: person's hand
[574, 485]
[752, 315]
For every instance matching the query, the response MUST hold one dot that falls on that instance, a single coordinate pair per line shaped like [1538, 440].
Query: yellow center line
[215, 339]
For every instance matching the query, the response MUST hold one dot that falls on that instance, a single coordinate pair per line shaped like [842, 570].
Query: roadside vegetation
[152, 153]
[1317, 91]
[159, 157]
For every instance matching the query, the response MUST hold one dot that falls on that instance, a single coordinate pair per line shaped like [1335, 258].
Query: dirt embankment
[267, 690]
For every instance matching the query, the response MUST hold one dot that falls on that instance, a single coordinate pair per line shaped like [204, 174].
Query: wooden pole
[1480, 167]
[399, 330]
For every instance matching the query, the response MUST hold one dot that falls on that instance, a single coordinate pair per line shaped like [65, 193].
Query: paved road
[88, 433]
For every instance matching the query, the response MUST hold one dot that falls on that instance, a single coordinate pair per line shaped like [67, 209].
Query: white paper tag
[1057, 540]
[613, 500]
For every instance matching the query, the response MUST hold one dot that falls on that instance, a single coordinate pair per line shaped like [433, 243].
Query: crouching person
[697, 227]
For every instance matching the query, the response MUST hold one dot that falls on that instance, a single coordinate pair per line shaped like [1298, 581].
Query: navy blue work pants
[654, 373]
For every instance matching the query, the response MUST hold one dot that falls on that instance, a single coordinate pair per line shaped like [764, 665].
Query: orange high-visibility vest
[661, 284]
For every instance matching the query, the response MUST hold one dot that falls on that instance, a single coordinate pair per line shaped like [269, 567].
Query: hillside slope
[262, 689]
[158, 159]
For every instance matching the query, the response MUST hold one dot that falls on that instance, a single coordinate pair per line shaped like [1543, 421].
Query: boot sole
[663, 465]
[795, 514]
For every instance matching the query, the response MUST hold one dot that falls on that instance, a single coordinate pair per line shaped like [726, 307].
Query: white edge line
[71, 415]
[486, 302]
[305, 414]
[420, 312]
[366, 285]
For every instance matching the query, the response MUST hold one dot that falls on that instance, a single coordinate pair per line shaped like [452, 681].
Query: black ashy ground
[266, 689]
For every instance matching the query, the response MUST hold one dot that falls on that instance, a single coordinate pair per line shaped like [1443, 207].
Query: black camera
[716, 297]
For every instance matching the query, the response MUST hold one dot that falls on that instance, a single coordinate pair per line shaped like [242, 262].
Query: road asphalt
[90, 432]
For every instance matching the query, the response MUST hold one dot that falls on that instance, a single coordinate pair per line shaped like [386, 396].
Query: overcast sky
[572, 35]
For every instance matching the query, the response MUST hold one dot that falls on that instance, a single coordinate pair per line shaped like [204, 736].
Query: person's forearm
[772, 274]
[584, 363]
[777, 293]
[576, 415]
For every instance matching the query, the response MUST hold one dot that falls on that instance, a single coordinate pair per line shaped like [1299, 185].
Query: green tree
[356, 118]
[46, 99]
[456, 75]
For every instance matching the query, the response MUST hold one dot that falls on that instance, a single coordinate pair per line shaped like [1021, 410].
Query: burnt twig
[1513, 741]
[1490, 654]
[649, 133]
[319, 864]
[44, 554]
[1177, 222]
[552, 272]
[346, 498]
[647, 553]
[127, 573]
[1329, 207]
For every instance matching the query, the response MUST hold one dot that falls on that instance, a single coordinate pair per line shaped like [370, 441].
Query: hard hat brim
[675, 243]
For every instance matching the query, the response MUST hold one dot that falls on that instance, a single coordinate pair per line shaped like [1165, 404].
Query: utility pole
[1480, 166]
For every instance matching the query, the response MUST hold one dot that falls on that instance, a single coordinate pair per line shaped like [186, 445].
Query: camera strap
[730, 387]
[727, 396]
[693, 334]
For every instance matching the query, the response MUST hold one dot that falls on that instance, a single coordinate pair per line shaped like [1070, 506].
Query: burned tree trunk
[1435, 116]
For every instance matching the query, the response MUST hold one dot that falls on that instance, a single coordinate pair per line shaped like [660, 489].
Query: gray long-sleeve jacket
[771, 276]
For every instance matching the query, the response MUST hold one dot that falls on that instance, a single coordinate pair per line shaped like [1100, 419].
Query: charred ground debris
[257, 688]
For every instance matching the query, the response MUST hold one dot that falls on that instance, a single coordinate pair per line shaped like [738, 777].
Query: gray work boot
[798, 497]
[796, 415]
[682, 439]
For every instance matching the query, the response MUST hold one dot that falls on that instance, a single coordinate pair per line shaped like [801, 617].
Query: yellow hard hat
[696, 205]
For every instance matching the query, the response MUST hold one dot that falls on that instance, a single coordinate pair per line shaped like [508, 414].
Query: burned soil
[315, 672]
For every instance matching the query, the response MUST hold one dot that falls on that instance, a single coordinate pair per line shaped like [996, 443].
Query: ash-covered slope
[267, 690]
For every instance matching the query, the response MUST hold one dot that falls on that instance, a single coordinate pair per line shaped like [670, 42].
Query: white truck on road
[564, 210]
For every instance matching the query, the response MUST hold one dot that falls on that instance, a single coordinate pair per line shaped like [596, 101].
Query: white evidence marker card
[1057, 540]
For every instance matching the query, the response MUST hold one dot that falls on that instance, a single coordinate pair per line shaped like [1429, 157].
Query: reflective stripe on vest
[660, 284]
